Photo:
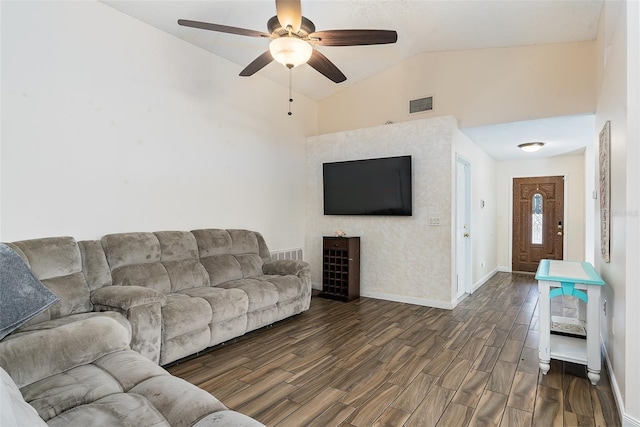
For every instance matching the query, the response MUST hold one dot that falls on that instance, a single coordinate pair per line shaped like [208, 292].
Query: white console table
[581, 280]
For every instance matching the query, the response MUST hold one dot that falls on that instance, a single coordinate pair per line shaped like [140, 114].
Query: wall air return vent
[421, 105]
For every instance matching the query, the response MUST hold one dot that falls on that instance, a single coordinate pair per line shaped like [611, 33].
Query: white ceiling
[422, 26]
[562, 136]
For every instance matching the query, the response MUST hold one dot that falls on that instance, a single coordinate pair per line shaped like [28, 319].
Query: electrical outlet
[604, 307]
[613, 322]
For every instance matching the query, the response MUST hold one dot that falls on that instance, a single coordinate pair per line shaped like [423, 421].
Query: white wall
[110, 125]
[478, 87]
[618, 102]
[633, 209]
[572, 168]
[402, 258]
[483, 219]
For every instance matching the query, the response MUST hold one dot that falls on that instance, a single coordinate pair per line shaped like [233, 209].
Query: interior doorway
[538, 221]
[463, 231]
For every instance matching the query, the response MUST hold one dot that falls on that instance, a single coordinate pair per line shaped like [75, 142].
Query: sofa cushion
[212, 242]
[131, 248]
[73, 294]
[179, 402]
[243, 242]
[121, 409]
[94, 264]
[177, 245]
[166, 261]
[152, 276]
[225, 303]
[289, 287]
[261, 294]
[56, 261]
[250, 264]
[128, 368]
[67, 346]
[58, 393]
[222, 268]
[186, 274]
[183, 314]
[52, 256]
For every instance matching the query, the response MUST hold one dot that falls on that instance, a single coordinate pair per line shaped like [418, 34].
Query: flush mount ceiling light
[290, 51]
[530, 147]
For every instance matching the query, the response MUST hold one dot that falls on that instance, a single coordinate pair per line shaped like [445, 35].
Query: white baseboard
[484, 280]
[504, 269]
[409, 300]
[627, 420]
[399, 298]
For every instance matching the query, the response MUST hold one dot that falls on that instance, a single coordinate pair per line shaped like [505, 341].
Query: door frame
[565, 212]
[468, 286]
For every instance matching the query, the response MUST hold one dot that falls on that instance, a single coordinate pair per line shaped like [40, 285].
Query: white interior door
[463, 232]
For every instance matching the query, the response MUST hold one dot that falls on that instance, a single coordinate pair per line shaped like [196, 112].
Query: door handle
[466, 234]
[559, 233]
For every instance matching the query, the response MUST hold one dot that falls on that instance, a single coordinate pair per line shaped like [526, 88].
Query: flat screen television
[368, 187]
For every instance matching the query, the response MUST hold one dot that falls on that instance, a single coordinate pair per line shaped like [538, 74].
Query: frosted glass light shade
[530, 147]
[290, 51]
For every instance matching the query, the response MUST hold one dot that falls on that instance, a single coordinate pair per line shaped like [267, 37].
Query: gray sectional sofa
[132, 301]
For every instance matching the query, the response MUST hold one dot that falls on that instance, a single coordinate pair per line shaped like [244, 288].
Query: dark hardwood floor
[380, 363]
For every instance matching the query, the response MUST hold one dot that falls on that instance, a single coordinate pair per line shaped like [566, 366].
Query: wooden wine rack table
[341, 268]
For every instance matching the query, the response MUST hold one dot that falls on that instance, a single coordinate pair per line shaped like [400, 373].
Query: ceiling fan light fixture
[290, 51]
[531, 147]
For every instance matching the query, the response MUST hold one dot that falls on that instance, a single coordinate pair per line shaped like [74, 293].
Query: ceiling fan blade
[353, 37]
[289, 13]
[222, 28]
[326, 67]
[257, 64]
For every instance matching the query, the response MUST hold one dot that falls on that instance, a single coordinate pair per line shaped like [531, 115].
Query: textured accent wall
[402, 258]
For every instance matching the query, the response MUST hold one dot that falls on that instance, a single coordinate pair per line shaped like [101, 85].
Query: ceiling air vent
[421, 105]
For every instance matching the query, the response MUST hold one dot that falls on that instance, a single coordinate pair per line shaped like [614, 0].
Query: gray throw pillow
[22, 295]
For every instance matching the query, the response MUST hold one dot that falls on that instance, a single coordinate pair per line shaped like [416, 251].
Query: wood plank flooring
[380, 363]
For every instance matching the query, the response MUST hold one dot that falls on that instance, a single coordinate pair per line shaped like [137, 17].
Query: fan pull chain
[290, 97]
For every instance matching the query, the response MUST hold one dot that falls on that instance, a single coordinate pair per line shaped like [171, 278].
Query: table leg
[544, 322]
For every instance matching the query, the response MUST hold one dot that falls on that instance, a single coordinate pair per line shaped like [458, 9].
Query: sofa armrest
[285, 266]
[126, 297]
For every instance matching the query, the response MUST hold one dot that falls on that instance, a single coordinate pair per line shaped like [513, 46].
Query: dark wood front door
[538, 221]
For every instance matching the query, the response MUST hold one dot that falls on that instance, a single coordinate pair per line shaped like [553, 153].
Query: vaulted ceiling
[422, 26]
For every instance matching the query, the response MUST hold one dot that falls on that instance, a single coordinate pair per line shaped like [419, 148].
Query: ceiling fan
[292, 36]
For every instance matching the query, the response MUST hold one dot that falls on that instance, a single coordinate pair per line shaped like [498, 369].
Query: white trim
[503, 269]
[468, 257]
[410, 300]
[484, 280]
[627, 420]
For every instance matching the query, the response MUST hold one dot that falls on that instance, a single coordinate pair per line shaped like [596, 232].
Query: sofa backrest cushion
[57, 263]
[179, 256]
[230, 254]
[166, 261]
[94, 264]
